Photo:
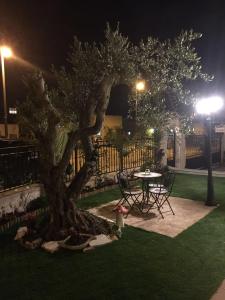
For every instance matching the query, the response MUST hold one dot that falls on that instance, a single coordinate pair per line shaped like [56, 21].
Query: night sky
[41, 32]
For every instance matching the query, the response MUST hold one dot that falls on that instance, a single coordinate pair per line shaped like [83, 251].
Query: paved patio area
[220, 293]
[187, 213]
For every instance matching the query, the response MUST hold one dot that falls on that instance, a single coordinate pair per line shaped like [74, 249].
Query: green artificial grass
[141, 265]
[98, 199]
[195, 187]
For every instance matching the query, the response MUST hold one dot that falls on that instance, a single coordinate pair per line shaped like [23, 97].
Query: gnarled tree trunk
[64, 216]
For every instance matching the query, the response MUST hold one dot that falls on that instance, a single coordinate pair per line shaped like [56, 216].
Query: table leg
[145, 198]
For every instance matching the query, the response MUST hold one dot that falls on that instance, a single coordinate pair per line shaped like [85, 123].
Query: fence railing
[195, 145]
[20, 165]
[109, 157]
[196, 156]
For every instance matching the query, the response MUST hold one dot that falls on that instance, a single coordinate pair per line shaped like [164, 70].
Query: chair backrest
[168, 180]
[123, 180]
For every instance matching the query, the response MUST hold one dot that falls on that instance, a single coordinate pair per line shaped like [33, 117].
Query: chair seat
[158, 190]
[155, 185]
[133, 191]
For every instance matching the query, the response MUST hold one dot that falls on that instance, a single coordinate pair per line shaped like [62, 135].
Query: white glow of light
[129, 133]
[13, 110]
[206, 106]
[140, 85]
[150, 131]
[6, 52]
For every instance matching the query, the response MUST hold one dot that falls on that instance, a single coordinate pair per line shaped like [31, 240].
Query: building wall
[13, 130]
[111, 122]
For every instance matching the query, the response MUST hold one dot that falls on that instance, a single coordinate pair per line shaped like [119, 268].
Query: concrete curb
[197, 172]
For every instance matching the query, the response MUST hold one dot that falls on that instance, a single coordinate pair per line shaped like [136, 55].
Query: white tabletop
[147, 175]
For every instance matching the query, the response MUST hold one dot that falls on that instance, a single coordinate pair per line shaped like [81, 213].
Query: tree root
[91, 224]
[84, 223]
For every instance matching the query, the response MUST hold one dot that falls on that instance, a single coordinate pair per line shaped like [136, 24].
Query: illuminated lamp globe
[206, 106]
[140, 85]
[6, 52]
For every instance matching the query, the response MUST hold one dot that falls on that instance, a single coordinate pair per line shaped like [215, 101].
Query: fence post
[174, 147]
[222, 148]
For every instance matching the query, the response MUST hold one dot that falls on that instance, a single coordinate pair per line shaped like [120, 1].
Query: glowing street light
[140, 85]
[208, 106]
[5, 52]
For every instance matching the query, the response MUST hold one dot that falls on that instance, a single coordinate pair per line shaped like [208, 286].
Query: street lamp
[140, 87]
[5, 52]
[207, 106]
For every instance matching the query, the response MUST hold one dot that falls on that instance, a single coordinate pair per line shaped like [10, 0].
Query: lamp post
[140, 87]
[5, 52]
[207, 106]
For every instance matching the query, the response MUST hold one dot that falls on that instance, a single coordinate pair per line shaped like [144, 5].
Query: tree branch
[86, 171]
[102, 94]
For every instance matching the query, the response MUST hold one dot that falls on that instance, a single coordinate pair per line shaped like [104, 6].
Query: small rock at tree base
[51, 246]
[21, 232]
[100, 240]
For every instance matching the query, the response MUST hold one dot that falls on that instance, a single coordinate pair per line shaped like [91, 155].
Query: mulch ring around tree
[98, 232]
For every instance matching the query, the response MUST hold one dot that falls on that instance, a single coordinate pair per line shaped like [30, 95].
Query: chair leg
[159, 206]
[166, 200]
[121, 201]
[136, 202]
[155, 202]
[159, 200]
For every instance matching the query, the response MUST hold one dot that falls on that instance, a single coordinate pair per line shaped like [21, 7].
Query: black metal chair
[162, 192]
[131, 196]
[157, 182]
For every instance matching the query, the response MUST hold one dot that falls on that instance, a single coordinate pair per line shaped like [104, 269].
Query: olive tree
[71, 112]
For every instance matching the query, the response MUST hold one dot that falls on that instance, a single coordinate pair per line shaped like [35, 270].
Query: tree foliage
[167, 67]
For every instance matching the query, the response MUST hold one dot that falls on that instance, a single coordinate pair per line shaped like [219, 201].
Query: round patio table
[146, 178]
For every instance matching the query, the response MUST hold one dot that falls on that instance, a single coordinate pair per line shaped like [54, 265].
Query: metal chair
[130, 195]
[162, 192]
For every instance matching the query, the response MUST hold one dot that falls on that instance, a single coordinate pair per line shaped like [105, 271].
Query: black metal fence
[196, 155]
[109, 157]
[20, 165]
[196, 152]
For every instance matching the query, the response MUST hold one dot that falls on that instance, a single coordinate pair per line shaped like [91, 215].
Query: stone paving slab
[220, 293]
[187, 213]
